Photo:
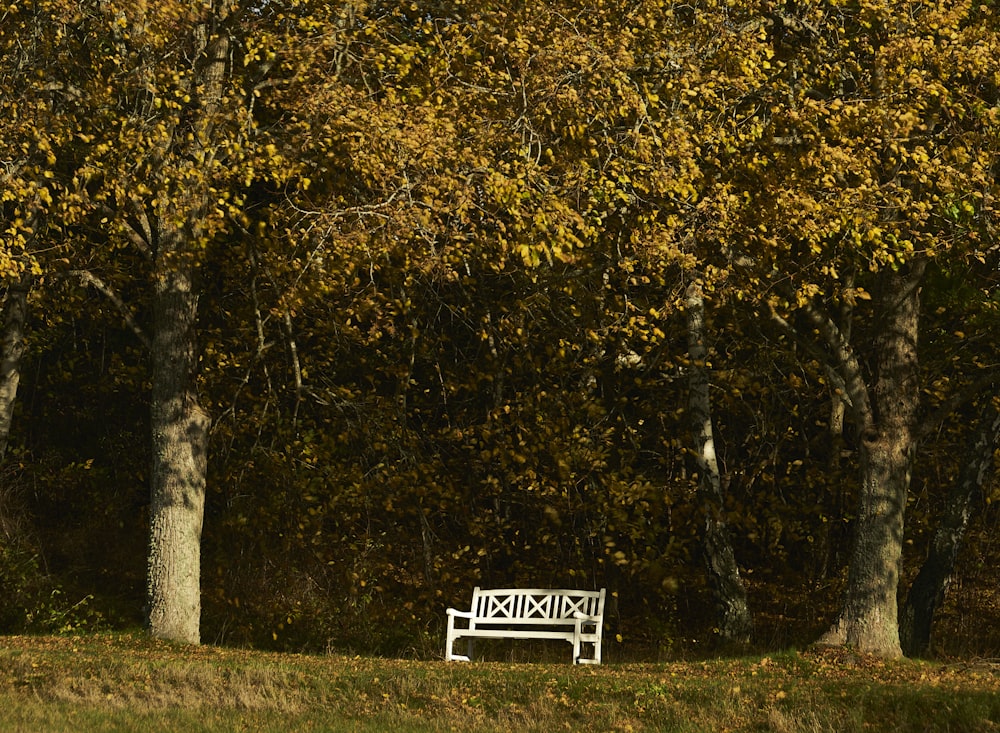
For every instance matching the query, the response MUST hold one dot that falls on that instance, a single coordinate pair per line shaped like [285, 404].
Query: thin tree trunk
[868, 619]
[733, 611]
[829, 532]
[15, 313]
[932, 582]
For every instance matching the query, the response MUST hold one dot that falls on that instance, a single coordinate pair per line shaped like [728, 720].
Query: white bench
[576, 616]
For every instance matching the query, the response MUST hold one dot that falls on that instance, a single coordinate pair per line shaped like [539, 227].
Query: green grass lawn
[131, 683]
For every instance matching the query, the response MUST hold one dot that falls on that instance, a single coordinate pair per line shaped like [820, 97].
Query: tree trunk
[868, 619]
[180, 445]
[179, 425]
[931, 584]
[730, 596]
[15, 313]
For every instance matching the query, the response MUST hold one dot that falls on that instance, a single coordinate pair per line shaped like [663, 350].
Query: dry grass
[130, 683]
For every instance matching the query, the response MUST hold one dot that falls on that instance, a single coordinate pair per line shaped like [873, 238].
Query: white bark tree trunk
[733, 613]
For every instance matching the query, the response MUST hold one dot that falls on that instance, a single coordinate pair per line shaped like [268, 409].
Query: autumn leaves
[461, 236]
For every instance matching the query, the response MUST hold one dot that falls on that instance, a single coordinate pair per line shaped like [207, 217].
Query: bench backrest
[535, 606]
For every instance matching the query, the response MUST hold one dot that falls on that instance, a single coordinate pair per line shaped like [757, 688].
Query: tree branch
[293, 350]
[846, 363]
[86, 277]
[134, 236]
[837, 377]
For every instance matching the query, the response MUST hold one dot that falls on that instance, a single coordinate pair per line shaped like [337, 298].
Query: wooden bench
[576, 616]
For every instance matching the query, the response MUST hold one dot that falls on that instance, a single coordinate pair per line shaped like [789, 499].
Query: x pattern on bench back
[536, 604]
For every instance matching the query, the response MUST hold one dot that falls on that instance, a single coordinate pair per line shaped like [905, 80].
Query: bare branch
[86, 277]
[296, 366]
[845, 368]
[845, 361]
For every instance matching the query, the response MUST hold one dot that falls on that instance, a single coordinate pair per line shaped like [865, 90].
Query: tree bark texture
[868, 618]
[729, 593]
[932, 582]
[15, 313]
[180, 455]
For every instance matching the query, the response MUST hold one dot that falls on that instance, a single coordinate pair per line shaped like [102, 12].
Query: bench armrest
[579, 616]
[459, 614]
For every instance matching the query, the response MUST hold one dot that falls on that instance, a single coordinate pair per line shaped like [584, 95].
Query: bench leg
[449, 648]
[596, 659]
[578, 643]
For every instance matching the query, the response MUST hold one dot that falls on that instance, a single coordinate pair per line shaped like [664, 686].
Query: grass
[131, 683]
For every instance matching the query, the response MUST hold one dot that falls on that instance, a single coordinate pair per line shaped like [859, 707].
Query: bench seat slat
[524, 621]
[514, 634]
